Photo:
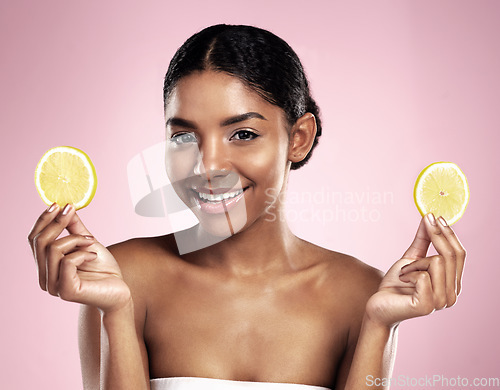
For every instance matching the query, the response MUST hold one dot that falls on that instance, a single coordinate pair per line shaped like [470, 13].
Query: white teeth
[219, 197]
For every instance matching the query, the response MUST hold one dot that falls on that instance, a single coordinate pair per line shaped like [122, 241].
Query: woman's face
[227, 150]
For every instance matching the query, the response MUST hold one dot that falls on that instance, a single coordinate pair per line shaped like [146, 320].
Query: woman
[260, 307]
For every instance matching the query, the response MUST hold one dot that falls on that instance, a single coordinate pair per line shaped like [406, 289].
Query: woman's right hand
[76, 267]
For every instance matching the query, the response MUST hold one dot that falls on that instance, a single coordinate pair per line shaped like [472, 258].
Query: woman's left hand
[417, 285]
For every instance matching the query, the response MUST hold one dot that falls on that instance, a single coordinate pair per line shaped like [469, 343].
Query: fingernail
[442, 221]
[89, 237]
[431, 219]
[66, 209]
[52, 207]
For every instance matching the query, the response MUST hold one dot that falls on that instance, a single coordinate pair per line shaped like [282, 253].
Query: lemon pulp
[442, 189]
[66, 175]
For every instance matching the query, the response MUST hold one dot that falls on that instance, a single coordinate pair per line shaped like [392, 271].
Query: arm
[122, 352]
[371, 347]
[112, 345]
[111, 348]
[77, 268]
[374, 356]
[415, 285]
[89, 344]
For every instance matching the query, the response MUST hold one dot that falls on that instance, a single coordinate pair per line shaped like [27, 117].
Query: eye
[183, 138]
[244, 135]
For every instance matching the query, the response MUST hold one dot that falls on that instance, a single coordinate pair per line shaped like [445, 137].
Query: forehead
[216, 94]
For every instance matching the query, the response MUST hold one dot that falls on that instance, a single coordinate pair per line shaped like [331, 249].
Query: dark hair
[263, 61]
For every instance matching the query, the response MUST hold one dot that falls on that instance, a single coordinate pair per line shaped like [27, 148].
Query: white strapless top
[192, 383]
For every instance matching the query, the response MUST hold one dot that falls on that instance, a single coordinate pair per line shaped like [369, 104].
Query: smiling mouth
[218, 197]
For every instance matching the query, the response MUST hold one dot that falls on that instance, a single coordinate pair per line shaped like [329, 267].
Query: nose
[213, 160]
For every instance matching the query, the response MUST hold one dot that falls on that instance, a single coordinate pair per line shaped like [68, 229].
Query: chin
[225, 224]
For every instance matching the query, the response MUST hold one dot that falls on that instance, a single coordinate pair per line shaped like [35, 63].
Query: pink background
[401, 84]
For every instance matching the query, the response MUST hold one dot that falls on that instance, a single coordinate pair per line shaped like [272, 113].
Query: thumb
[420, 244]
[76, 226]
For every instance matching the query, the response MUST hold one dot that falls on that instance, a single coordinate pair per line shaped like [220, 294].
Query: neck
[267, 246]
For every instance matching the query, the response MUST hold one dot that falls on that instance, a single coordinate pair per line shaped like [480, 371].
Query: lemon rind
[428, 169]
[89, 195]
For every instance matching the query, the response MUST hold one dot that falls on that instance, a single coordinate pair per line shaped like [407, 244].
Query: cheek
[265, 166]
[180, 163]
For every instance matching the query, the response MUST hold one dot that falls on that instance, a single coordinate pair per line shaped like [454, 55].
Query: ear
[302, 137]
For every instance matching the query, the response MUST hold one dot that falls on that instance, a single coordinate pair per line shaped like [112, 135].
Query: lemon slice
[442, 189]
[66, 175]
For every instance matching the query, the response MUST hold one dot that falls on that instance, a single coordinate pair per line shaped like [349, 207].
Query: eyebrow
[175, 121]
[241, 118]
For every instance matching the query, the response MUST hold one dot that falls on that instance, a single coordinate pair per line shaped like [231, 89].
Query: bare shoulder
[360, 278]
[143, 246]
[140, 259]
[346, 275]
[134, 252]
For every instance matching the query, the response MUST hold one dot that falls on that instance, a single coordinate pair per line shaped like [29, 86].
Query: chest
[244, 331]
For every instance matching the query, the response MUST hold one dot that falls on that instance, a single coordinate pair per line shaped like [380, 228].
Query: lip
[218, 207]
[215, 191]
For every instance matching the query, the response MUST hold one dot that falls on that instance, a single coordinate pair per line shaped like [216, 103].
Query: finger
[422, 300]
[420, 244]
[76, 226]
[435, 266]
[457, 247]
[69, 281]
[49, 233]
[45, 218]
[56, 250]
[445, 249]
